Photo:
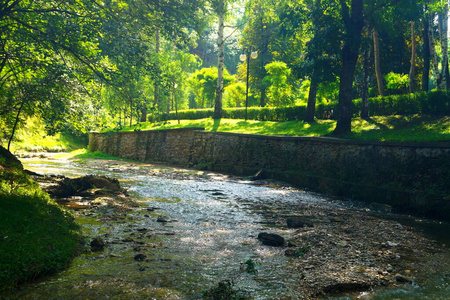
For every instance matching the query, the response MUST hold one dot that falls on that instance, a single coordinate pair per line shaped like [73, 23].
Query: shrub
[432, 103]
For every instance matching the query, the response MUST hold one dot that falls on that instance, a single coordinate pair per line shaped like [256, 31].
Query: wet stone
[97, 244]
[297, 222]
[403, 279]
[162, 219]
[140, 257]
[270, 239]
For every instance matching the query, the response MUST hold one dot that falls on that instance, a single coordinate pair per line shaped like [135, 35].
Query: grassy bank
[32, 137]
[37, 237]
[383, 128]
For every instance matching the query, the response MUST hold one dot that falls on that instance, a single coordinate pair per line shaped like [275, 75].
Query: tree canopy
[90, 65]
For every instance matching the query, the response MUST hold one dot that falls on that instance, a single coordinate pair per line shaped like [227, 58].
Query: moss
[37, 237]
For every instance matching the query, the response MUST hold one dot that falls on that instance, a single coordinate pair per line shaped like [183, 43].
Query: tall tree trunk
[434, 54]
[144, 113]
[220, 66]
[16, 122]
[263, 96]
[156, 86]
[376, 47]
[354, 23]
[443, 31]
[426, 53]
[311, 107]
[365, 88]
[131, 112]
[413, 59]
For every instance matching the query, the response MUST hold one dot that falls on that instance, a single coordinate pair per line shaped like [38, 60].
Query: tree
[220, 7]
[353, 22]
[277, 77]
[48, 54]
[378, 75]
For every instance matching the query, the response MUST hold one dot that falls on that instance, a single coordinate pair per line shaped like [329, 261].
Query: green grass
[86, 154]
[37, 237]
[384, 128]
[32, 137]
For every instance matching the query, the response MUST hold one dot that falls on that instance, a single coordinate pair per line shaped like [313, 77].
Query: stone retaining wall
[413, 178]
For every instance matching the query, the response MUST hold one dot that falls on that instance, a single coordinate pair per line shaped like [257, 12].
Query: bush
[432, 103]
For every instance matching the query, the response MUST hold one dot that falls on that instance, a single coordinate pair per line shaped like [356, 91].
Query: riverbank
[329, 249]
[409, 177]
[37, 237]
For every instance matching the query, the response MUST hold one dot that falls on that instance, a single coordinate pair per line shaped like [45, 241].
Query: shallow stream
[213, 222]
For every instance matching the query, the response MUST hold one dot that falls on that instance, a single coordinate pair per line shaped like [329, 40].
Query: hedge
[431, 103]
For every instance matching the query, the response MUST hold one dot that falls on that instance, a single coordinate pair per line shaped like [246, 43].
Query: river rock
[297, 222]
[97, 244]
[162, 219]
[82, 186]
[402, 278]
[140, 257]
[270, 239]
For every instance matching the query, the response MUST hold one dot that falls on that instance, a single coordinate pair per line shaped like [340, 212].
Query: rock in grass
[140, 257]
[270, 239]
[97, 244]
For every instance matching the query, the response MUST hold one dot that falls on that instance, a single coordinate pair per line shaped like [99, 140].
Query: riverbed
[184, 231]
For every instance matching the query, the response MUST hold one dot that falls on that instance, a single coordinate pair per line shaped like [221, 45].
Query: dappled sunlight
[389, 128]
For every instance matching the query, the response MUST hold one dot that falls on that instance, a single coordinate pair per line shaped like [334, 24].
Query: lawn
[382, 128]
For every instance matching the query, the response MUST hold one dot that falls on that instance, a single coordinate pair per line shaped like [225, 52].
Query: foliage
[37, 236]
[249, 266]
[280, 92]
[432, 103]
[224, 291]
[203, 85]
[33, 137]
[234, 95]
[397, 83]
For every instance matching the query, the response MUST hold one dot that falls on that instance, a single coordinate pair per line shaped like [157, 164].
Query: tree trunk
[16, 122]
[433, 53]
[354, 23]
[156, 87]
[311, 107]
[365, 88]
[413, 60]
[131, 112]
[262, 98]
[443, 30]
[426, 53]
[220, 66]
[144, 113]
[376, 47]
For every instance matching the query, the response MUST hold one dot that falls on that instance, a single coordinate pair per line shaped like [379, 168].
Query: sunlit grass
[32, 137]
[383, 128]
[295, 128]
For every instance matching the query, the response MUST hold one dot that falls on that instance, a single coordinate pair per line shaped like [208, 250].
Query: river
[212, 224]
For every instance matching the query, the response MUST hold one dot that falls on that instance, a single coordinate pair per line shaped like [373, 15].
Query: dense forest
[82, 65]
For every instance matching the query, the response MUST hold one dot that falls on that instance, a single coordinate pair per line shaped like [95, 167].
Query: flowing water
[211, 233]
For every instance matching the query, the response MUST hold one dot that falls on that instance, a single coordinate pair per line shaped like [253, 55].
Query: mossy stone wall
[410, 177]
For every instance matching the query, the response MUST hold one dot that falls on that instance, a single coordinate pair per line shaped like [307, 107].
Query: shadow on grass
[381, 126]
[216, 124]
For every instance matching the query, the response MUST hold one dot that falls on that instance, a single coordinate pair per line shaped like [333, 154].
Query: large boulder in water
[79, 186]
[271, 239]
